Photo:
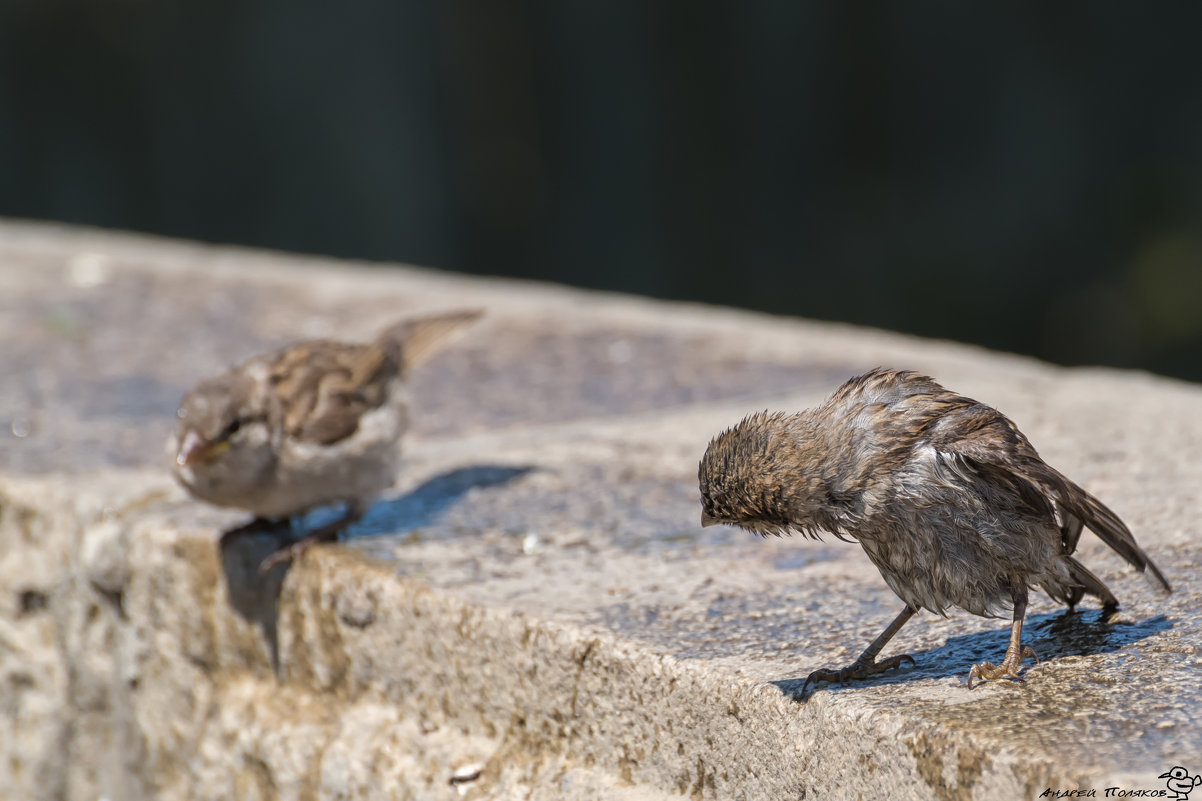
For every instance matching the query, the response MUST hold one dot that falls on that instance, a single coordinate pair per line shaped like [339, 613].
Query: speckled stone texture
[534, 612]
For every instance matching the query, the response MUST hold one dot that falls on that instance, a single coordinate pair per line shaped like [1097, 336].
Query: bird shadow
[426, 503]
[1052, 636]
[255, 595]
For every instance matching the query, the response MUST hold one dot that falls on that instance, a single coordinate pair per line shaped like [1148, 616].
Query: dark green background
[1026, 176]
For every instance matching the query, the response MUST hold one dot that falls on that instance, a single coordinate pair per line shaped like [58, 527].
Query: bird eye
[232, 428]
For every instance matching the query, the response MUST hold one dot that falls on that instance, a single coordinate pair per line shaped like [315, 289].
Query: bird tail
[1098, 517]
[1114, 532]
[1083, 581]
[415, 340]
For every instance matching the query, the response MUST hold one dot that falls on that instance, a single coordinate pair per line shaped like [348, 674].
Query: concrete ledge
[535, 613]
[202, 682]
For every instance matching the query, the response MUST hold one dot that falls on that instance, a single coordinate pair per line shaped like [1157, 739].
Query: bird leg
[329, 531]
[866, 664]
[1016, 653]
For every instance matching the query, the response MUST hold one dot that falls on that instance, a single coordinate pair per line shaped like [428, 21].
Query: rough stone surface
[534, 613]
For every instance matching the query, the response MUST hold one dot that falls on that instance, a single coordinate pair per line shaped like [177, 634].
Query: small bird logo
[1180, 783]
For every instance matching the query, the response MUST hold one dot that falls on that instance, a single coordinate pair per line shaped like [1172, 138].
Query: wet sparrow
[315, 423]
[946, 496]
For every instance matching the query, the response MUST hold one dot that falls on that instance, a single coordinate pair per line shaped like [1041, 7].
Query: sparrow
[945, 495]
[313, 424]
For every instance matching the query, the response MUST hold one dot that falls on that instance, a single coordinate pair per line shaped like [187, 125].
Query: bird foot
[860, 669]
[987, 671]
[285, 554]
[289, 552]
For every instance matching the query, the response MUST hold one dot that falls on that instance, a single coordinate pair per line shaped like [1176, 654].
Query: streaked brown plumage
[946, 496]
[312, 424]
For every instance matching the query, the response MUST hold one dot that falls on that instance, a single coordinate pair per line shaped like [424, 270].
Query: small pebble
[467, 773]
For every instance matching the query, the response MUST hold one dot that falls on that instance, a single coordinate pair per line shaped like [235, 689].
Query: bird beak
[708, 520]
[193, 449]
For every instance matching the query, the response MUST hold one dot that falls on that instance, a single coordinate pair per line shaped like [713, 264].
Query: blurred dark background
[1026, 177]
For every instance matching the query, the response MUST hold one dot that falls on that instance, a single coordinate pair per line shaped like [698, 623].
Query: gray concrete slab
[536, 597]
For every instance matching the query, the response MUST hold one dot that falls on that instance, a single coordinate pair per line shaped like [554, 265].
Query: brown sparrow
[315, 423]
[946, 496]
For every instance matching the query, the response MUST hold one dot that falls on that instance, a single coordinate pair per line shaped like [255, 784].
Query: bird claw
[326, 533]
[1009, 669]
[860, 669]
[285, 554]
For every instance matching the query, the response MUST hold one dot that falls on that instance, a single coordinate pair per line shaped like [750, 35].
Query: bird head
[755, 476]
[222, 431]
[1180, 780]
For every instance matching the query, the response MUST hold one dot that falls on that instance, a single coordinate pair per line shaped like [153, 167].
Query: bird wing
[325, 387]
[985, 439]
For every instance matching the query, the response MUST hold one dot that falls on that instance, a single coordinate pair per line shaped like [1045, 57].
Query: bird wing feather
[988, 439]
[325, 387]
